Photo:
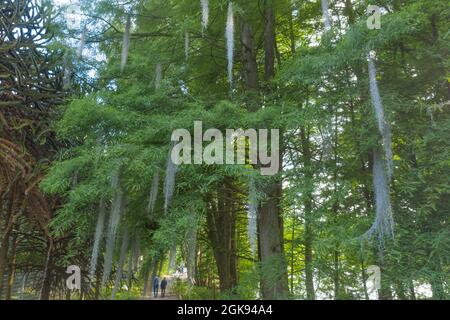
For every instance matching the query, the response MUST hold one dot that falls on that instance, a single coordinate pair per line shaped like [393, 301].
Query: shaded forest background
[88, 103]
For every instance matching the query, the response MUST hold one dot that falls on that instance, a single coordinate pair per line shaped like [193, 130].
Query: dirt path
[167, 297]
[169, 294]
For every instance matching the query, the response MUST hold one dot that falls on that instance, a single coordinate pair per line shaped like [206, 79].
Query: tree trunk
[385, 293]
[249, 58]
[221, 232]
[308, 233]
[274, 278]
[337, 289]
[121, 263]
[48, 269]
[309, 267]
[292, 258]
[233, 240]
[412, 291]
[4, 247]
[12, 269]
[98, 283]
[147, 270]
[5, 232]
[269, 40]
[364, 279]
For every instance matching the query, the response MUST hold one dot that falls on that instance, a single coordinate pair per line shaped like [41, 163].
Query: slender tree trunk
[269, 40]
[337, 289]
[335, 212]
[5, 233]
[385, 293]
[130, 270]
[48, 269]
[294, 220]
[98, 283]
[199, 276]
[12, 269]
[309, 267]
[308, 233]
[4, 248]
[233, 244]
[412, 291]
[147, 270]
[364, 279]
[122, 259]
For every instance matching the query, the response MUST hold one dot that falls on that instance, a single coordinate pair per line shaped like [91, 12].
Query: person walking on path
[155, 286]
[163, 287]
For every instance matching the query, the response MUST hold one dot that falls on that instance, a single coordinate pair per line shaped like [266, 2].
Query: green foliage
[320, 92]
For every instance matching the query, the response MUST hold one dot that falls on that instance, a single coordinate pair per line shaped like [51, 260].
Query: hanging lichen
[327, 134]
[97, 239]
[130, 270]
[153, 193]
[114, 219]
[186, 44]
[252, 216]
[135, 252]
[123, 255]
[173, 258]
[326, 15]
[383, 226]
[67, 73]
[158, 75]
[82, 43]
[191, 249]
[205, 13]
[229, 35]
[126, 43]
[169, 183]
[430, 114]
[383, 126]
